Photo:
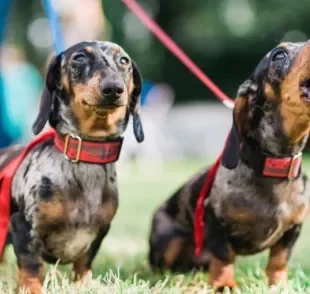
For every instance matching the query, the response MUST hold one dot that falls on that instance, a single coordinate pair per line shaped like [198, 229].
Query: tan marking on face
[283, 45]
[89, 92]
[51, 211]
[293, 110]
[130, 86]
[222, 273]
[173, 250]
[89, 49]
[269, 92]
[98, 122]
[116, 49]
[277, 265]
[65, 82]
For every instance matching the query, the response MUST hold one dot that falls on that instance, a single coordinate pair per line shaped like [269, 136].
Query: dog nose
[112, 89]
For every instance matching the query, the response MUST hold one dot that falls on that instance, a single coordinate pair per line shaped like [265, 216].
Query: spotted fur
[246, 213]
[64, 209]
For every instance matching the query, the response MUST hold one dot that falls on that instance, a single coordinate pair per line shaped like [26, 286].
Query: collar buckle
[295, 163]
[79, 147]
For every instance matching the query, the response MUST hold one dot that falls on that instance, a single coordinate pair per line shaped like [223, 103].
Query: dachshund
[260, 195]
[62, 203]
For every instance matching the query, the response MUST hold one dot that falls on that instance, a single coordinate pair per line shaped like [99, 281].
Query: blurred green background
[225, 37]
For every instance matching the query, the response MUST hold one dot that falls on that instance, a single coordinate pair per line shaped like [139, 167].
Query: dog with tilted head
[63, 202]
[259, 197]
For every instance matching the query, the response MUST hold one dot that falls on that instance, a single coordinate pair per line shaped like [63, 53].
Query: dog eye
[279, 55]
[80, 58]
[124, 60]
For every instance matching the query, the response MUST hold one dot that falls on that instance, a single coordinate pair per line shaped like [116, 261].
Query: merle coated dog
[259, 197]
[62, 209]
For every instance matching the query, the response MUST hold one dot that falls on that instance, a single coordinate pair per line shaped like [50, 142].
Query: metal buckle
[79, 148]
[290, 171]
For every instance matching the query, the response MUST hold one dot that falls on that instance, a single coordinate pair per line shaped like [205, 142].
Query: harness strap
[6, 178]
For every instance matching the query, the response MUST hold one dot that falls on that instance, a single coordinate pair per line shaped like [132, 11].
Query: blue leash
[55, 27]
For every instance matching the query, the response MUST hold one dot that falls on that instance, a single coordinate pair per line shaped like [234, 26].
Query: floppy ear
[241, 116]
[240, 127]
[52, 78]
[135, 104]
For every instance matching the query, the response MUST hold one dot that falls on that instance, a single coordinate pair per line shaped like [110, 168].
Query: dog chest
[257, 211]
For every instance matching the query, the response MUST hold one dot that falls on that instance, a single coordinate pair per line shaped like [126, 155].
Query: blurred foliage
[21, 15]
[226, 38]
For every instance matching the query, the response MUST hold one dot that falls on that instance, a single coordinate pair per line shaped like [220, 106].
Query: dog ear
[241, 123]
[241, 116]
[51, 81]
[135, 104]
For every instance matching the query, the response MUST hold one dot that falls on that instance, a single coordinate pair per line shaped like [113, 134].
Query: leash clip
[79, 148]
[291, 175]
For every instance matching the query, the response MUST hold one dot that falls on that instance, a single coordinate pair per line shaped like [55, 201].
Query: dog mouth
[305, 90]
[103, 106]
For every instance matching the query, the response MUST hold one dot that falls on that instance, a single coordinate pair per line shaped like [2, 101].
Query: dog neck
[267, 134]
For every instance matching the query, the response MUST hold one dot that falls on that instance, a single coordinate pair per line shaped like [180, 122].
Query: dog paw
[30, 289]
[81, 280]
[277, 277]
[221, 284]
[29, 284]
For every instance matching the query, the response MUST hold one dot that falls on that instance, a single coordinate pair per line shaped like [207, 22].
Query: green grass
[121, 266]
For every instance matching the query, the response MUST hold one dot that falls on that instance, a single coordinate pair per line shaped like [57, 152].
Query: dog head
[272, 107]
[90, 90]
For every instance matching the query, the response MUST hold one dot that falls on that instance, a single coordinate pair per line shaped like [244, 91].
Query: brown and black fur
[62, 210]
[246, 213]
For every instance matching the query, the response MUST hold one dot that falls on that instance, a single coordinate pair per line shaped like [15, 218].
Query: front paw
[277, 276]
[82, 278]
[29, 284]
[221, 274]
[221, 282]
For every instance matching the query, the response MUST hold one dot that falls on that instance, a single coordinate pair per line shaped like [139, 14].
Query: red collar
[77, 149]
[285, 167]
[270, 166]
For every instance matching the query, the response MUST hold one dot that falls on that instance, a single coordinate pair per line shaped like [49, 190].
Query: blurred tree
[226, 38]
[21, 16]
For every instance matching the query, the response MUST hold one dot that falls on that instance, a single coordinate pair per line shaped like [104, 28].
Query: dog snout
[112, 89]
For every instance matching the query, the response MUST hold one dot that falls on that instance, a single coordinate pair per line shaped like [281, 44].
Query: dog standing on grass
[62, 209]
[259, 198]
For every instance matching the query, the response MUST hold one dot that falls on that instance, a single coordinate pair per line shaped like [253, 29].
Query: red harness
[73, 147]
[286, 167]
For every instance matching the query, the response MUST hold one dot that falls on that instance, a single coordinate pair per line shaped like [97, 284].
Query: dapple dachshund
[62, 209]
[259, 197]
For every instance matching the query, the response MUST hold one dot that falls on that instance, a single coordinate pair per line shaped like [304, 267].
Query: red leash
[199, 222]
[177, 51]
[199, 225]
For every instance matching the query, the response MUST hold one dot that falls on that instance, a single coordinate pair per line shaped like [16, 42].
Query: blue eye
[124, 60]
[279, 55]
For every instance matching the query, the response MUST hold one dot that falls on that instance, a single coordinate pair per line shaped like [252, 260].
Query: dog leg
[279, 256]
[222, 256]
[172, 252]
[82, 267]
[29, 261]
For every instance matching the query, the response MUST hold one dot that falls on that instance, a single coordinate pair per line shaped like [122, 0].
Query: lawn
[121, 266]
